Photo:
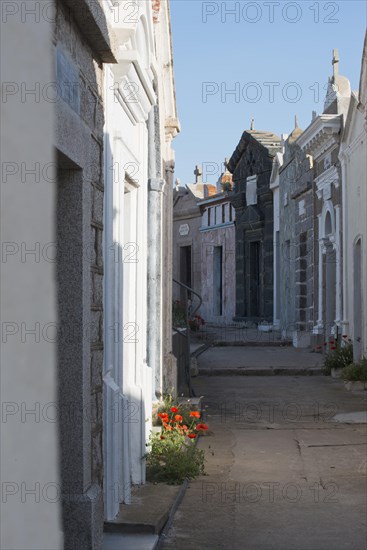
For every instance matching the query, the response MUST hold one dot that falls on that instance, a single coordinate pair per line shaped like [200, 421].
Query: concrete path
[237, 336]
[266, 360]
[286, 467]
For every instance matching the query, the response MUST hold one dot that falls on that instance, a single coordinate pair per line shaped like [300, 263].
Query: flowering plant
[339, 354]
[196, 322]
[173, 456]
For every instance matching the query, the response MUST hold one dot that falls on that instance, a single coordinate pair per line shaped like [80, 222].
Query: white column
[320, 280]
[338, 286]
[343, 162]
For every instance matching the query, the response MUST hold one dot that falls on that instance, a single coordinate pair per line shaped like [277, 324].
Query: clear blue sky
[215, 53]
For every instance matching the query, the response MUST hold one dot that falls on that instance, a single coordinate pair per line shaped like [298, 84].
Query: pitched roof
[268, 140]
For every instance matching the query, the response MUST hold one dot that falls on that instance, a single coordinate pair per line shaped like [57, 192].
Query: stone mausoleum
[252, 198]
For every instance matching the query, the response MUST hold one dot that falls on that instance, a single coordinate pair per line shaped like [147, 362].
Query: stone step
[117, 541]
[198, 349]
[267, 371]
[149, 511]
[252, 343]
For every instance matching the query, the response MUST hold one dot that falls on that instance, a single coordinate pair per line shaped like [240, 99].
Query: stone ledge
[94, 26]
[149, 512]
[252, 344]
[270, 371]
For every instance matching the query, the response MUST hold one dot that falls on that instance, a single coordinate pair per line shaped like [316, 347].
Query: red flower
[192, 436]
[178, 418]
[163, 415]
[202, 427]
[174, 409]
[162, 437]
[185, 428]
[195, 414]
[332, 347]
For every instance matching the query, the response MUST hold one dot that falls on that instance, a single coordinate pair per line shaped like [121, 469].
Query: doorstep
[141, 524]
[148, 512]
[123, 541]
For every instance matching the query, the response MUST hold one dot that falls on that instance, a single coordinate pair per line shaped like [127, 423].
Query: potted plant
[338, 357]
[355, 375]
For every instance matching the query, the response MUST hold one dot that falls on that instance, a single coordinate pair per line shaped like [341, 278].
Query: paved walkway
[233, 359]
[236, 335]
[286, 466]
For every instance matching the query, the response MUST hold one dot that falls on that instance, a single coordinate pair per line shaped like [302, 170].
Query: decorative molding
[324, 182]
[321, 135]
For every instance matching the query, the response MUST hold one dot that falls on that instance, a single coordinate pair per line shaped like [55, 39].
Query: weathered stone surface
[296, 239]
[254, 225]
[78, 139]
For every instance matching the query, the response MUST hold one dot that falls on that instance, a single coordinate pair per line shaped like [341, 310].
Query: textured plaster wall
[224, 237]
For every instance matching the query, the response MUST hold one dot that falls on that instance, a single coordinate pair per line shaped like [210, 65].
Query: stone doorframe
[329, 241]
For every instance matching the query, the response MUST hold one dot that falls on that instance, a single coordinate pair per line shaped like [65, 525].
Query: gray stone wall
[224, 237]
[296, 241]
[186, 211]
[254, 223]
[79, 143]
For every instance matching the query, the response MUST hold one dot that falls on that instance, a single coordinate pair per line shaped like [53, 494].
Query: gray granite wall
[296, 241]
[79, 143]
[253, 223]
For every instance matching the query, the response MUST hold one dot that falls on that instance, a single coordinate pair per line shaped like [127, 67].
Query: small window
[223, 213]
[209, 215]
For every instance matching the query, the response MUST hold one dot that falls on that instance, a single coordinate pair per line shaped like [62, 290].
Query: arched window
[328, 225]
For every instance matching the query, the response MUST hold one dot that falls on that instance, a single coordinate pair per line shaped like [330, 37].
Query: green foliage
[356, 371]
[339, 358]
[178, 314]
[171, 460]
[173, 454]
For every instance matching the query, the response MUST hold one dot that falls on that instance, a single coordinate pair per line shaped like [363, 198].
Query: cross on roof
[335, 63]
[198, 173]
[252, 123]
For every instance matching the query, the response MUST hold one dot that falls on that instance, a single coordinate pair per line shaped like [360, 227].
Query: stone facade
[82, 42]
[352, 155]
[140, 124]
[187, 222]
[252, 198]
[116, 122]
[322, 140]
[296, 240]
[218, 264]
